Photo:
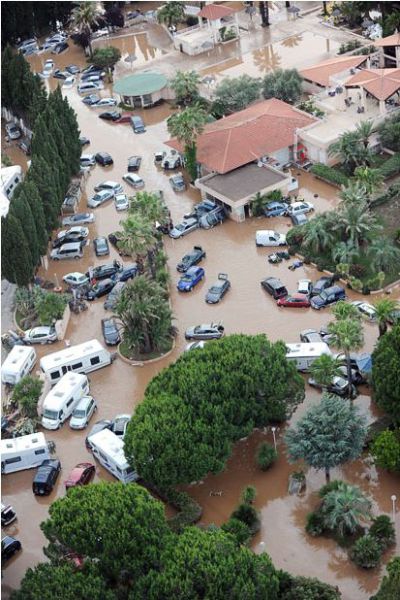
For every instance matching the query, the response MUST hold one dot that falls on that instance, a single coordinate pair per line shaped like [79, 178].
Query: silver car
[183, 228]
[79, 219]
[40, 335]
[112, 186]
[83, 412]
[100, 197]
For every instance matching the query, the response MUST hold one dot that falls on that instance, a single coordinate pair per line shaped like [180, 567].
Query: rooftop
[243, 182]
[247, 135]
[323, 71]
[212, 12]
[391, 40]
[381, 83]
[140, 84]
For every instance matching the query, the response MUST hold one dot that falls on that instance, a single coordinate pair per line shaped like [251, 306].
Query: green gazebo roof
[140, 84]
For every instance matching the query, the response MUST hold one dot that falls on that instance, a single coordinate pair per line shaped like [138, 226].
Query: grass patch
[127, 353]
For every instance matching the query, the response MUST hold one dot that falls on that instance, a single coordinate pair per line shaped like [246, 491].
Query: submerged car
[184, 228]
[110, 115]
[206, 331]
[294, 301]
[321, 284]
[74, 234]
[275, 209]
[339, 386]
[111, 186]
[267, 237]
[82, 474]
[177, 182]
[104, 159]
[366, 309]
[79, 219]
[190, 259]
[218, 290]
[40, 335]
[310, 336]
[190, 279]
[104, 271]
[329, 296]
[101, 246]
[76, 279]
[99, 289]
[134, 163]
[46, 477]
[9, 546]
[83, 412]
[110, 331]
[195, 346]
[304, 286]
[100, 198]
[134, 180]
[127, 272]
[119, 424]
[121, 202]
[300, 208]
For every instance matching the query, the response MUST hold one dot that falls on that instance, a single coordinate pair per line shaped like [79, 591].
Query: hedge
[330, 175]
[391, 166]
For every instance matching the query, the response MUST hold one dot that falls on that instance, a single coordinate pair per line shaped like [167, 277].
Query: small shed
[143, 89]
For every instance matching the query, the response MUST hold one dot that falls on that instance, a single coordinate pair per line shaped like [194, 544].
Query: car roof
[83, 402]
[42, 329]
[70, 246]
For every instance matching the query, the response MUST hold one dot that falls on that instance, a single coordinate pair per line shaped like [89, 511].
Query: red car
[82, 474]
[294, 301]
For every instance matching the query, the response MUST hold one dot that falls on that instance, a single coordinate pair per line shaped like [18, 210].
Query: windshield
[50, 414]
[215, 289]
[186, 278]
[180, 227]
[323, 295]
[78, 413]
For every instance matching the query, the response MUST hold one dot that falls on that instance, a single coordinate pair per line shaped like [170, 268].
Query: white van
[82, 358]
[108, 448]
[267, 237]
[25, 452]
[88, 86]
[62, 399]
[18, 363]
[305, 354]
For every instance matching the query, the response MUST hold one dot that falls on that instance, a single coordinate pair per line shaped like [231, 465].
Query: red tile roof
[247, 135]
[391, 40]
[381, 83]
[212, 12]
[321, 72]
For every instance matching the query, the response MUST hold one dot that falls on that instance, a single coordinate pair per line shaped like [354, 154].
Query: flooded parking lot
[245, 309]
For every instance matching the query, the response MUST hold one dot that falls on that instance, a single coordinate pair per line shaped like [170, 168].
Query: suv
[82, 413]
[45, 477]
[137, 124]
[177, 182]
[104, 271]
[9, 546]
[321, 284]
[328, 296]
[99, 289]
[114, 295]
[212, 218]
[13, 132]
[274, 287]
[71, 250]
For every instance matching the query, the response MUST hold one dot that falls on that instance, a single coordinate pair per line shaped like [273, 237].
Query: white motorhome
[25, 452]
[82, 358]
[108, 448]
[305, 354]
[63, 398]
[18, 363]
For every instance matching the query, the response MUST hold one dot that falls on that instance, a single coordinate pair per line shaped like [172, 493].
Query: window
[55, 375]
[15, 459]
[42, 451]
[70, 401]
[95, 360]
[83, 386]
[76, 366]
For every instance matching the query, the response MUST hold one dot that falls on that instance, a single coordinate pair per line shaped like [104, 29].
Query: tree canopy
[283, 84]
[234, 94]
[385, 373]
[198, 407]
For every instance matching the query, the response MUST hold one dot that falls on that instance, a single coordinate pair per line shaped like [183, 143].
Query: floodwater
[246, 309]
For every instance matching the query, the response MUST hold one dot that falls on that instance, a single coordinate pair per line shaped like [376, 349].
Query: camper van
[18, 363]
[63, 398]
[82, 358]
[305, 354]
[25, 452]
[108, 448]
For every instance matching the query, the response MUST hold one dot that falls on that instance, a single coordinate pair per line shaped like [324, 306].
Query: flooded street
[119, 388]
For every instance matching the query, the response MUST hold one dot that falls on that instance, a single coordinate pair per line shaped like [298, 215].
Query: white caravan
[305, 354]
[25, 452]
[108, 448]
[63, 398]
[82, 358]
[18, 363]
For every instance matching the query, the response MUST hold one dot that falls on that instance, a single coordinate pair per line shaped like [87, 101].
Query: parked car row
[318, 295]
[206, 215]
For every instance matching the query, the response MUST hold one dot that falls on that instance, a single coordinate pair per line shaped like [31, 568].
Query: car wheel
[190, 289]
[76, 257]
[55, 258]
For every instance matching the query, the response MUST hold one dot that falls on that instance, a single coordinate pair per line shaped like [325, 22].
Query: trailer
[108, 448]
[82, 358]
[25, 452]
[304, 354]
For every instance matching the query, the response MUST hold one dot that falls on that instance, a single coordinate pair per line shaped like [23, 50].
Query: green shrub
[238, 529]
[355, 284]
[249, 494]
[295, 236]
[328, 174]
[189, 510]
[386, 450]
[365, 50]
[305, 588]
[390, 167]
[366, 552]
[26, 395]
[329, 487]
[315, 524]
[248, 515]
[357, 270]
[391, 193]
[266, 456]
[383, 531]
[348, 46]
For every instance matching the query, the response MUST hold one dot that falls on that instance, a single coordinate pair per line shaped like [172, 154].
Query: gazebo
[382, 84]
[219, 19]
[143, 89]
[391, 49]
[326, 73]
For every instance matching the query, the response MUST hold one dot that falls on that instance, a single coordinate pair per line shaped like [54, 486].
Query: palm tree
[384, 256]
[138, 238]
[324, 369]
[384, 308]
[347, 336]
[258, 204]
[354, 193]
[370, 179]
[351, 151]
[345, 508]
[345, 253]
[84, 16]
[344, 310]
[150, 206]
[186, 126]
[364, 130]
[171, 13]
[318, 234]
[186, 86]
[356, 223]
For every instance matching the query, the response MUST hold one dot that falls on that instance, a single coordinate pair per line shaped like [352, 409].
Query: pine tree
[16, 259]
[30, 192]
[41, 175]
[20, 208]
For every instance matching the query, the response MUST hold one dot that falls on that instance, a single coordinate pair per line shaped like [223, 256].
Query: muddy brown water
[247, 309]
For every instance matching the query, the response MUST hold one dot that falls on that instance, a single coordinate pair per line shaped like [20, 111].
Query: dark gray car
[110, 332]
[101, 246]
[218, 290]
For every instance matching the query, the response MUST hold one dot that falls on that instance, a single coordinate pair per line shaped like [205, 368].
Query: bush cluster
[329, 174]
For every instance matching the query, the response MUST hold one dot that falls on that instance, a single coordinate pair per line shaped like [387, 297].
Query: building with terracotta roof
[390, 50]
[244, 153]
[329, 72]
[382, 84]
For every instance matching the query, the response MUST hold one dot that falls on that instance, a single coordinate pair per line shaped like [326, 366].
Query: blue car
[275, 209]
[128, 272]
[190, 279]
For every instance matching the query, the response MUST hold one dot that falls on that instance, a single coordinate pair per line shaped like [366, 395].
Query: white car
[304, 286]
[77, 232]
[76, 279]
[40, 335]
[87, 160]
[121, 202]
[110, 186]
[300, 208]
[80, 218]
[13, 131]
[195, 345]
[100, 197]
[366, 309]
[69, 82]
[267, 237]
[105, 102]
[83, 412]
[134, 180]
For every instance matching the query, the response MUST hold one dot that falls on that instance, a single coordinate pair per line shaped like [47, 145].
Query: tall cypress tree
[30, 192]
[16, 259]
[20, 208]
[7, 86]
[44, 146]
[71, 125]
[57, 136]
[42, 176]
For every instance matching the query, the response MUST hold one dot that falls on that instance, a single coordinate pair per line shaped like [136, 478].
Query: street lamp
[273, 429]
[393, 499]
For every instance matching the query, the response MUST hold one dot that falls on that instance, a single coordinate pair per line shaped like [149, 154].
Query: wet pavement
[247, 309]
